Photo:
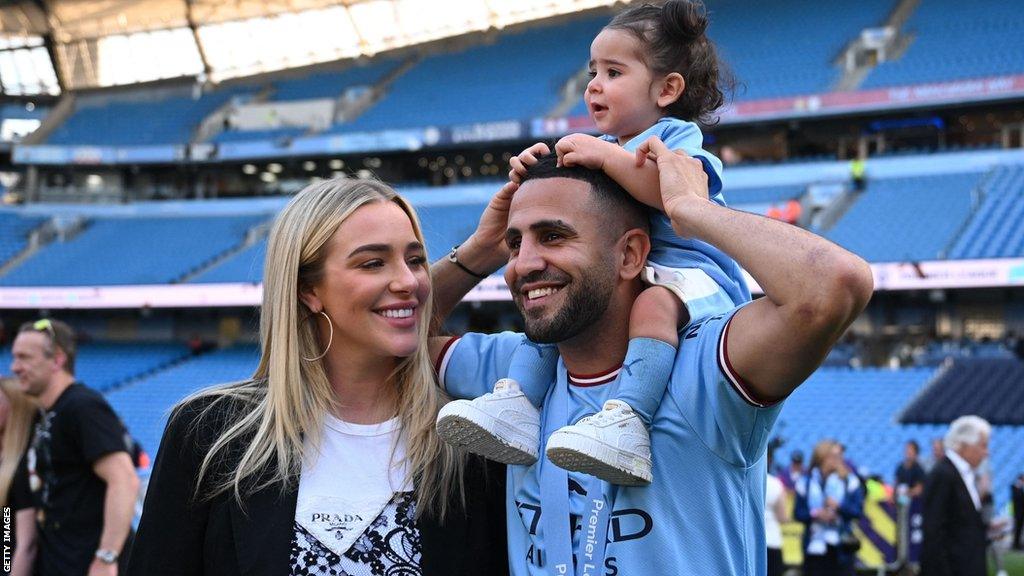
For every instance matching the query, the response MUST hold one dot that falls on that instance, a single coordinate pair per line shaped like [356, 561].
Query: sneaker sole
[463, 430]
[580, 454]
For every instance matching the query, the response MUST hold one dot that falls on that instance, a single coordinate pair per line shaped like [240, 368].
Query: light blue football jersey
[704, 512]
[667, 248]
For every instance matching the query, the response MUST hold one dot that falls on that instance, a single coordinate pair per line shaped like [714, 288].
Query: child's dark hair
[673, 38]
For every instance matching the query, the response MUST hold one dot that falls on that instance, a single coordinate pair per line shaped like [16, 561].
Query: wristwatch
[106, 556]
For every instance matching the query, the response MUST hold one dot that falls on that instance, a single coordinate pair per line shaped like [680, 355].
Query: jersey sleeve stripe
[738, 383]
[443, 358]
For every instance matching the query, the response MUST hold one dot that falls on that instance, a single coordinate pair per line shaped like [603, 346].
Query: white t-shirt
[355, 509]
[773, 530]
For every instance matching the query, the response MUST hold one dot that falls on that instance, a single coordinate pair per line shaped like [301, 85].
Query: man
[909, 474]
[938, 455]
[577, 245]
[78, 465]
[954, 531]
[796, 470]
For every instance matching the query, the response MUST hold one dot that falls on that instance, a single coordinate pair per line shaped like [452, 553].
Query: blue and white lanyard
[554, 499]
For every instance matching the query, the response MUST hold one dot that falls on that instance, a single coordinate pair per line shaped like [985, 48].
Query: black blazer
[179, 535]
[954, 532]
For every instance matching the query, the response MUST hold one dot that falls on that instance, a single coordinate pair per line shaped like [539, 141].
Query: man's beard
[586, 301]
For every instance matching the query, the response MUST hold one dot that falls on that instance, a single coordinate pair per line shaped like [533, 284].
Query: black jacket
[954, 532]
[179, 535]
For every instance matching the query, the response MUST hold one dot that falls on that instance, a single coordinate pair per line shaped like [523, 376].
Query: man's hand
[683, 179]
[98, 568]
[525, 159]
[583, 150]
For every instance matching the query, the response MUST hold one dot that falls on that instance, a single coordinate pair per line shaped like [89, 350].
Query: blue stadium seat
[995, 230]
[246, 266]
[331, 84]
[105, 365]
[116, 119]
[14, 231]
[145, 405]
[906, 219]
[990, 387]
[516, 78]
[860, 408]
[143, 250]
[955, 40]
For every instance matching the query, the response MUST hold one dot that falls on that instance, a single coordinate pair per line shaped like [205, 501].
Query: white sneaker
[613, 445]
[502, 425]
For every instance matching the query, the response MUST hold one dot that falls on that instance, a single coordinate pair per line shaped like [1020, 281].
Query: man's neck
[61, 381]
[602, 345]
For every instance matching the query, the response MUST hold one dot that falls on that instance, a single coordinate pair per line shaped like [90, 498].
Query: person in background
[938, 455]
[79, 467]
[17, 416]
[775, 515]
[796, 469]
[909, 474]
[955, 533]
[829, 498]
[858, 173]
[1017, 499]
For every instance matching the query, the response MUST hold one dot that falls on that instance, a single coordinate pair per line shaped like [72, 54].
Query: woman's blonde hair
[821, 452]
[16, 433]
[289, 396]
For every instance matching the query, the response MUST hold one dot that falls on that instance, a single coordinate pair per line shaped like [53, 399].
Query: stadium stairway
[19, 238]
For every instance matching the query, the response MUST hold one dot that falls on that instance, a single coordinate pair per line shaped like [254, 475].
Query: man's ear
[634, 246]
[60, 357]
[672, 88]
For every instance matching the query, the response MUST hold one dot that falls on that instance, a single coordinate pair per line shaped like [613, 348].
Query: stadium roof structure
[47, 46]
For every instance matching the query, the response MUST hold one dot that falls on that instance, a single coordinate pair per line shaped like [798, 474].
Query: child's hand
[525, 159]
[582, 150]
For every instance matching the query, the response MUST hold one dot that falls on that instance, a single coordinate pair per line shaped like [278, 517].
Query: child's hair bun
[684, 20]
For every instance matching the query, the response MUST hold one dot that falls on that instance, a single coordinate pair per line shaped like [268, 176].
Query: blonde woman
[17, 414]
[326, 461]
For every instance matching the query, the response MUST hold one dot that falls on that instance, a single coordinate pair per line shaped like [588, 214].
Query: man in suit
[954, 531]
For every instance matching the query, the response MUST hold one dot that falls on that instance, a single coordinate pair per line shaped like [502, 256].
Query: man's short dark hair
[914, 445]
[611, 197]
[59, 335]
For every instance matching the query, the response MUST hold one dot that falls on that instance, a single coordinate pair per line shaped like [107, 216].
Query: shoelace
[601, 416]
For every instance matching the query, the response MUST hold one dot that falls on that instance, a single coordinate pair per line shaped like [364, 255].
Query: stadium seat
[994, 230]
[906, 219]
[954, 40]
[132, 250]
[14, 231]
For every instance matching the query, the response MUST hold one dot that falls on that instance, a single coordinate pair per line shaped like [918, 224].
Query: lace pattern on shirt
[390, 546]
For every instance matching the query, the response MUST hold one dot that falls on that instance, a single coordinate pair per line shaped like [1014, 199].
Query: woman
[829, 499]
[775, 515]
[326, 461]
[17, 414]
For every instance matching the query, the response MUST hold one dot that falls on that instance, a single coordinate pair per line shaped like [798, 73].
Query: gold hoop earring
[330, 340]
